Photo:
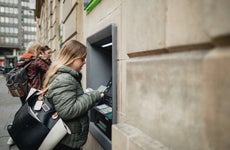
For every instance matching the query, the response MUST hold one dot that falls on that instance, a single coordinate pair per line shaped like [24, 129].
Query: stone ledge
[131, 138]
[178, 48]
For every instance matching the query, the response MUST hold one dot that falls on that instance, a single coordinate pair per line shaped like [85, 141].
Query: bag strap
[25, 63]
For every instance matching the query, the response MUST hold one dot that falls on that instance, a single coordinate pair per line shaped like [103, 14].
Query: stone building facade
[172, 70]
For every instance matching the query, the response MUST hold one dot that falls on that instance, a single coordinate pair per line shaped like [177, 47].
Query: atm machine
[104, 112]
[101, 69]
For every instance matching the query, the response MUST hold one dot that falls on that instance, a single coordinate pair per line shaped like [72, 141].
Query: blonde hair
[69, 52]
[34, 48]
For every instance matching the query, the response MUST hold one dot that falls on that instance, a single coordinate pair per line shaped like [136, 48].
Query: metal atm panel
[102, 70]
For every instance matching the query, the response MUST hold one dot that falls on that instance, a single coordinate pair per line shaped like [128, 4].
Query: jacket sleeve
[69, 105]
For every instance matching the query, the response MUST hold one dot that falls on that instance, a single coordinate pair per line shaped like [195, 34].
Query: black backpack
[17, 80]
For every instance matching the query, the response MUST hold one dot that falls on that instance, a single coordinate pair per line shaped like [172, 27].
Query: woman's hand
[88, 90]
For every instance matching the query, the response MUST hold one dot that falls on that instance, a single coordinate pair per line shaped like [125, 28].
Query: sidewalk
[8, 106]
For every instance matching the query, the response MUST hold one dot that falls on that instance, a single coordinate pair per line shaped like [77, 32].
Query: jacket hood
[27, 55]
[66, 69]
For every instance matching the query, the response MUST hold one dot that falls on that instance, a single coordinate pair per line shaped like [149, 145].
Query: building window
[2, 39]
[16, 20]
[7, 10]
[16, 30]
[2, 19]
[7, 40]
[7, 30]
[7, 20]
[2, 10]
[2, 29]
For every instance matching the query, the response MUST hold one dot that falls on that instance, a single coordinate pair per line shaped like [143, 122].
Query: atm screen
[108, 94]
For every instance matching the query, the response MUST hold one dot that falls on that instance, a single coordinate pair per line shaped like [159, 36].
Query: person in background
[63, 81]
[37, 68]
[32, 50]
[46, 54]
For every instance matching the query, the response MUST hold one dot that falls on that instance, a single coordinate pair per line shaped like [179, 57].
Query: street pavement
[8, 107]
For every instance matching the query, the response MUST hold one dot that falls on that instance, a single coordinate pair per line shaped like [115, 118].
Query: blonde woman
[37, 68]
[63, 80]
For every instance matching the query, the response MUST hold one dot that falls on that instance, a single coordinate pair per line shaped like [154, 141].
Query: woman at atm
[67, 95]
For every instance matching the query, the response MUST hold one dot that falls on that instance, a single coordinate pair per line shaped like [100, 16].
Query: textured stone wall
[177, 74]
[173, 69]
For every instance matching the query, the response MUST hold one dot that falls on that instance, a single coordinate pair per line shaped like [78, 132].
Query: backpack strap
[26, 62]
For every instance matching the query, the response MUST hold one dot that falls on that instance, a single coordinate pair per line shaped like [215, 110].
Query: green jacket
[72, 104]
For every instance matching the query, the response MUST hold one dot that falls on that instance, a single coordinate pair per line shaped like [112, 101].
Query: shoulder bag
[36, 124]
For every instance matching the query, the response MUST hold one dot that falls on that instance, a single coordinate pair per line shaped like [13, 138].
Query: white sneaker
[10, 141]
